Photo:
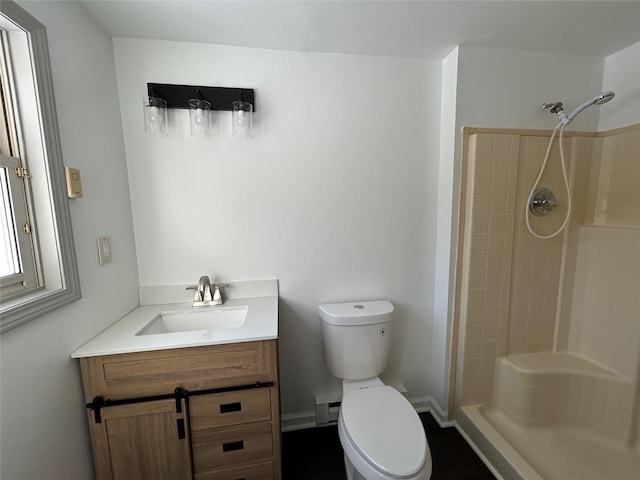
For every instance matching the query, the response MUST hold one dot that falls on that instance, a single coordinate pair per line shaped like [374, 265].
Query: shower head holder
[554, 107]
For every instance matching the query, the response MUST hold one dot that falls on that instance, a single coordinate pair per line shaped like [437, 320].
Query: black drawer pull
[231, 446]
[231, 407]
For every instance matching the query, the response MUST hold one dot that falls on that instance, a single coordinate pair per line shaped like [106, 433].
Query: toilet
[380, 431]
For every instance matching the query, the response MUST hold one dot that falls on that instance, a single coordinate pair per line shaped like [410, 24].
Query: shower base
[547, 452]
[556, 416]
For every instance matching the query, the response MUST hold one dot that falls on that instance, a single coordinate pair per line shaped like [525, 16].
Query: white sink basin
[206, 318]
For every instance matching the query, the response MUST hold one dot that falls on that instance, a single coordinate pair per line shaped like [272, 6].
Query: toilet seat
[385, 430]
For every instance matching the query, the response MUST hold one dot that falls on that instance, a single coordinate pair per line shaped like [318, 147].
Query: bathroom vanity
[186, 404]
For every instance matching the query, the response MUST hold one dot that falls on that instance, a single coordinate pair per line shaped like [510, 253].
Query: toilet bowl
[382, 436]
[380, 432]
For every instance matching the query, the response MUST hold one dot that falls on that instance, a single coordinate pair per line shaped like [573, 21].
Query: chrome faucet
[204, 296]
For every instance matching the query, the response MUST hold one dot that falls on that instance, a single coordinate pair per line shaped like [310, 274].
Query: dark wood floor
[316, 454]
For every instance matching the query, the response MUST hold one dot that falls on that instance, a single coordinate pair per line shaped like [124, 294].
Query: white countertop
[261, 322]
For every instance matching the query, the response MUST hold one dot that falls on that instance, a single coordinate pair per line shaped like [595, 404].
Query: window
[18, 262]
[38, 270]
[18, 265]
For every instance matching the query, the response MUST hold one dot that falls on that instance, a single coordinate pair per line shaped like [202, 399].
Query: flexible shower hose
[535, 185]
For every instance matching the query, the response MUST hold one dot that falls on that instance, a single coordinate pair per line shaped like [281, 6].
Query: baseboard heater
[326, 411]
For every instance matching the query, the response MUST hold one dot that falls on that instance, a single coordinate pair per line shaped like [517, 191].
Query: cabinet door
[142, 441]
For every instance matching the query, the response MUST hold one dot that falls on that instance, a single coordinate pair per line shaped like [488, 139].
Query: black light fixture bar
[220, 98]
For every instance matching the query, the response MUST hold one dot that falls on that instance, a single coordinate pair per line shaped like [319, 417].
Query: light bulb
[155, 117]
[199, 118]
[241, 119]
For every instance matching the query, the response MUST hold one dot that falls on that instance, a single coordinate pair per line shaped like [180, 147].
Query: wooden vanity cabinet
[222, 424]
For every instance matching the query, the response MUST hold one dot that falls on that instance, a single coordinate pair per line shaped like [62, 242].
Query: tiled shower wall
[510, 281]
[616, 192]
[487, 260]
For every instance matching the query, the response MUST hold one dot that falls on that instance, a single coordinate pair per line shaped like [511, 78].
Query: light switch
[74, 184]
[104, 250]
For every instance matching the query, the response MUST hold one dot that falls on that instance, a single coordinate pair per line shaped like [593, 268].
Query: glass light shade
[242, 118]
[155, 116]
[200, 117]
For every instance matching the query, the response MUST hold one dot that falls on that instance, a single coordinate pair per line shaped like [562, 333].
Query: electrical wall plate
[104, 250]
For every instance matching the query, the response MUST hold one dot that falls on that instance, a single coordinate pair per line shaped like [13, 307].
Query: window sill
[35, 304]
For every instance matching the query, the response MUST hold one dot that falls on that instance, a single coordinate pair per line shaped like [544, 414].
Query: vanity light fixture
[196, 99]
[155, 114]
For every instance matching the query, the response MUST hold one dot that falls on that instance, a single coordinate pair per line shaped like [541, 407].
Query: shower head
[604, 97]
[599, 99]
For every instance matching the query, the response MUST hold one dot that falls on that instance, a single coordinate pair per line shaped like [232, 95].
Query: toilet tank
[356, 338]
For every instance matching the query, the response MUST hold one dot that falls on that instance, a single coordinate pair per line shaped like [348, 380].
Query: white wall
[506, 88]
[444, 271]
[44, 433]
[334, 195]
[622, 75]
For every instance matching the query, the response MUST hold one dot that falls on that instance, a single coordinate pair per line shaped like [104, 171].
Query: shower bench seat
[549, 387]
[562, 362]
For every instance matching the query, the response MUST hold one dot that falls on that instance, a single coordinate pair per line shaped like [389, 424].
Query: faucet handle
[218, 299]
[197, 297]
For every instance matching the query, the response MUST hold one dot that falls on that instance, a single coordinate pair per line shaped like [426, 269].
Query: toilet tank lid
[356, 313]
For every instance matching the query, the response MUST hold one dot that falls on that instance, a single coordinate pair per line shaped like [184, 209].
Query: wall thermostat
[74, 184]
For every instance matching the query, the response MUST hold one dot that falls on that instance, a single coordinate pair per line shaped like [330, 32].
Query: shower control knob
[549, 205]
[543, 201]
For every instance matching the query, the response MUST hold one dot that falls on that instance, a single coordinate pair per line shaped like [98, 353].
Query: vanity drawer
[223, 448]
[160, 372]
[263, 471]
[230, 408]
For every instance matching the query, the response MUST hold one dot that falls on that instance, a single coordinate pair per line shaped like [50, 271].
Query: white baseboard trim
[421, 404]
[428, 404]
[300, 421]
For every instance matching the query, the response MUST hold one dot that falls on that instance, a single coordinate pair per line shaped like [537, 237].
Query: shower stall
[548, 347]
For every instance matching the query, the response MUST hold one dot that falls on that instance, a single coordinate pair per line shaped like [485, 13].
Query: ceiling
[416, 29]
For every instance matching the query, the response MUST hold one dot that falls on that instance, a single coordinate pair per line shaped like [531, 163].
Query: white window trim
[61, 279]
